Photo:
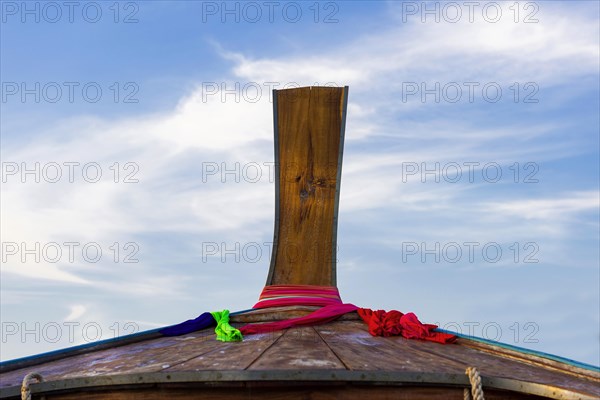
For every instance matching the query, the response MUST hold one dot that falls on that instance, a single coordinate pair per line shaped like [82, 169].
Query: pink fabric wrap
[321, 316]
[298, 295]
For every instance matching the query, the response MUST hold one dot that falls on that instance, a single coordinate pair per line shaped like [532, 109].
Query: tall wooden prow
[309, 124]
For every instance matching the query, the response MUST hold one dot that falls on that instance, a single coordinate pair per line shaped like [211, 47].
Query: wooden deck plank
[532, 359]
[309, 126]
[151, 355]
[230, 355]
[495, 365]
[298, 348]
[360, 351]
[357, 349]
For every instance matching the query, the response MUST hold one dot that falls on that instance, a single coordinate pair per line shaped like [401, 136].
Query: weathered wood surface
[152, 355]
[351, 341]
[189, 352]
[309, 125]
[300, 348]
[531, 359]
[360, 351]
[231, 355]
[337, 346]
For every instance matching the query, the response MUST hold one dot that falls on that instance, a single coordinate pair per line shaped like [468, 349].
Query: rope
[25, 390]
[476, 388]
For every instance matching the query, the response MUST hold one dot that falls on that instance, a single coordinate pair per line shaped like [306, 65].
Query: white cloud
[560, 47]
[76, 312]
[552, 209]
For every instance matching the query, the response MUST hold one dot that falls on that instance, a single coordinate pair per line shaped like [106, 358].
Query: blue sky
[167, 127]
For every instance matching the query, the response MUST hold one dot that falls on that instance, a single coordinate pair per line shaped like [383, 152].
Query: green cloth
[224, 331]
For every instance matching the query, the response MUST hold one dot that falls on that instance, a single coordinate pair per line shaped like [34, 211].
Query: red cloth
[321, 316]
[392, 323]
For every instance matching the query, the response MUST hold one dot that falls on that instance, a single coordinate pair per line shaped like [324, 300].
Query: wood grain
[231, 355]
[148, 356]
[360, 351]
[298, 348]
[308, 138]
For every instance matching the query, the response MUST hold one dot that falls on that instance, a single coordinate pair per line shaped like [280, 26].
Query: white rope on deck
[25, 390]
[476, 392]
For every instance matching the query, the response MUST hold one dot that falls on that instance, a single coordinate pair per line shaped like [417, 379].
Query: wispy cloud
[554, 209]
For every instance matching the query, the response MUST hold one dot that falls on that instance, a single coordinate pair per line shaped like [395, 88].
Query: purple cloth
[204, 320]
